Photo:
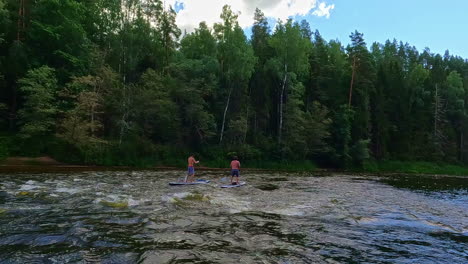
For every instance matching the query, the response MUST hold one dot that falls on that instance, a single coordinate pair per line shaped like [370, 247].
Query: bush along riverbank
[48, 164]
[413, 167]
[292, 166]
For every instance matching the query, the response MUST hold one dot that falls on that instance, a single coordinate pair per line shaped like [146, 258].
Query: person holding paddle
[191, 169]
[235, 167]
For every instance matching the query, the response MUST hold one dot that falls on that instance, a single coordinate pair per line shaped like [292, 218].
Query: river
[136, 217]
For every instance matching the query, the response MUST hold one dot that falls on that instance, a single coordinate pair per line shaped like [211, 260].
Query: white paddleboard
[242, 183]
[190, 183]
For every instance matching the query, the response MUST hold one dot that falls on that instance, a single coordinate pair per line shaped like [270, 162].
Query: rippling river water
[136, 217]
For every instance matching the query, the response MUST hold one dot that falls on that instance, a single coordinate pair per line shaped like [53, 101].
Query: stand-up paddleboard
[199, 181]
[242, 183]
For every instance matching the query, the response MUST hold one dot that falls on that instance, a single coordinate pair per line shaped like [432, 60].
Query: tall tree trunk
[122, 127]
[224, 116]
[123, 121]
[461, 145]
[246, 125]
[24, 16]
[13, 108]
[461, 139]
[436, 110]
[20, 15]
[255, 127]
[352, 82]
[247, 115]
[21, 26]
[92, 110]
[280, 125]
[92, 120]
[166, 51]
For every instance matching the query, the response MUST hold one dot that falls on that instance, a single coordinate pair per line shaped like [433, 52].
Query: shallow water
[136, 217]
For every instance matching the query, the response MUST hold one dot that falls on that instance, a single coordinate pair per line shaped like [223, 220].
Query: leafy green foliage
[37, 116]
[199, 44]
[414, 167]
[237, 61]
[117, 83]
[360, 152]
[4, 150]
[342, 136]
[317, 129]
[57, 36]
[4, 20]
[288, 65]
[154, 109]
[455, 94]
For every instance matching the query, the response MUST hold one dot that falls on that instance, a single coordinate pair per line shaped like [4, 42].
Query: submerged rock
[278, 179]
[268, 187]
[158, 257]
[197, 197]
[123, 204]
[185, 199]
[49, 240]
[18, 239]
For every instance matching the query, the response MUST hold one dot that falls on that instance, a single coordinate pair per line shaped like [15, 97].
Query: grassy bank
[284, 166]
[405, 167]
[413, 167]
[251, 164]
[180, 163]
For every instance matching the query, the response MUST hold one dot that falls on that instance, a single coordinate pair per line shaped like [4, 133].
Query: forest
[110, 82]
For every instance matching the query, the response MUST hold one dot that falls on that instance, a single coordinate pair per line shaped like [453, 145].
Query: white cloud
[323, 10]
[195, 11]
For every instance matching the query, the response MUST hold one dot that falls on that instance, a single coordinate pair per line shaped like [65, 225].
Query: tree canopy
[117, 82]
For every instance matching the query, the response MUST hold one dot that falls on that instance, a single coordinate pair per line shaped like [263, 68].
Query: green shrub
[360, 152]
[414, 167]
[4, 152]
[370, 166]
[304, 165]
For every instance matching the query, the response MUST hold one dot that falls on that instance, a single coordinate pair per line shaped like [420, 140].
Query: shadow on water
[427, 183]
[267, 187]
[459, 238]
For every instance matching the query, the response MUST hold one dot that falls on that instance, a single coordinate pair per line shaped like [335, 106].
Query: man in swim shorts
[235, 167]
[191, 169]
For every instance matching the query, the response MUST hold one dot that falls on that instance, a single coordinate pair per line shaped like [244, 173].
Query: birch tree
[290, 57]
[236, 60]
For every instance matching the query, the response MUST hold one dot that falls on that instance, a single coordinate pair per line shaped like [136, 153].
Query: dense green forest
[117, 82]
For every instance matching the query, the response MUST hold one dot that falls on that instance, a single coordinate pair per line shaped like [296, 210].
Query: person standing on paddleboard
[191, 169]
[235, 167]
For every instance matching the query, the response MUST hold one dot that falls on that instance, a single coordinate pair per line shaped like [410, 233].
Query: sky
[439, 25]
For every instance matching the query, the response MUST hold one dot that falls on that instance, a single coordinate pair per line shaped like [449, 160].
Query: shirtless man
[235, 167]
[191, 169]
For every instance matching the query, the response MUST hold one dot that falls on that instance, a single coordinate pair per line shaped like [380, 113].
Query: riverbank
[384, 168]
[49, 165]
[78, 168]
[413, 167]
